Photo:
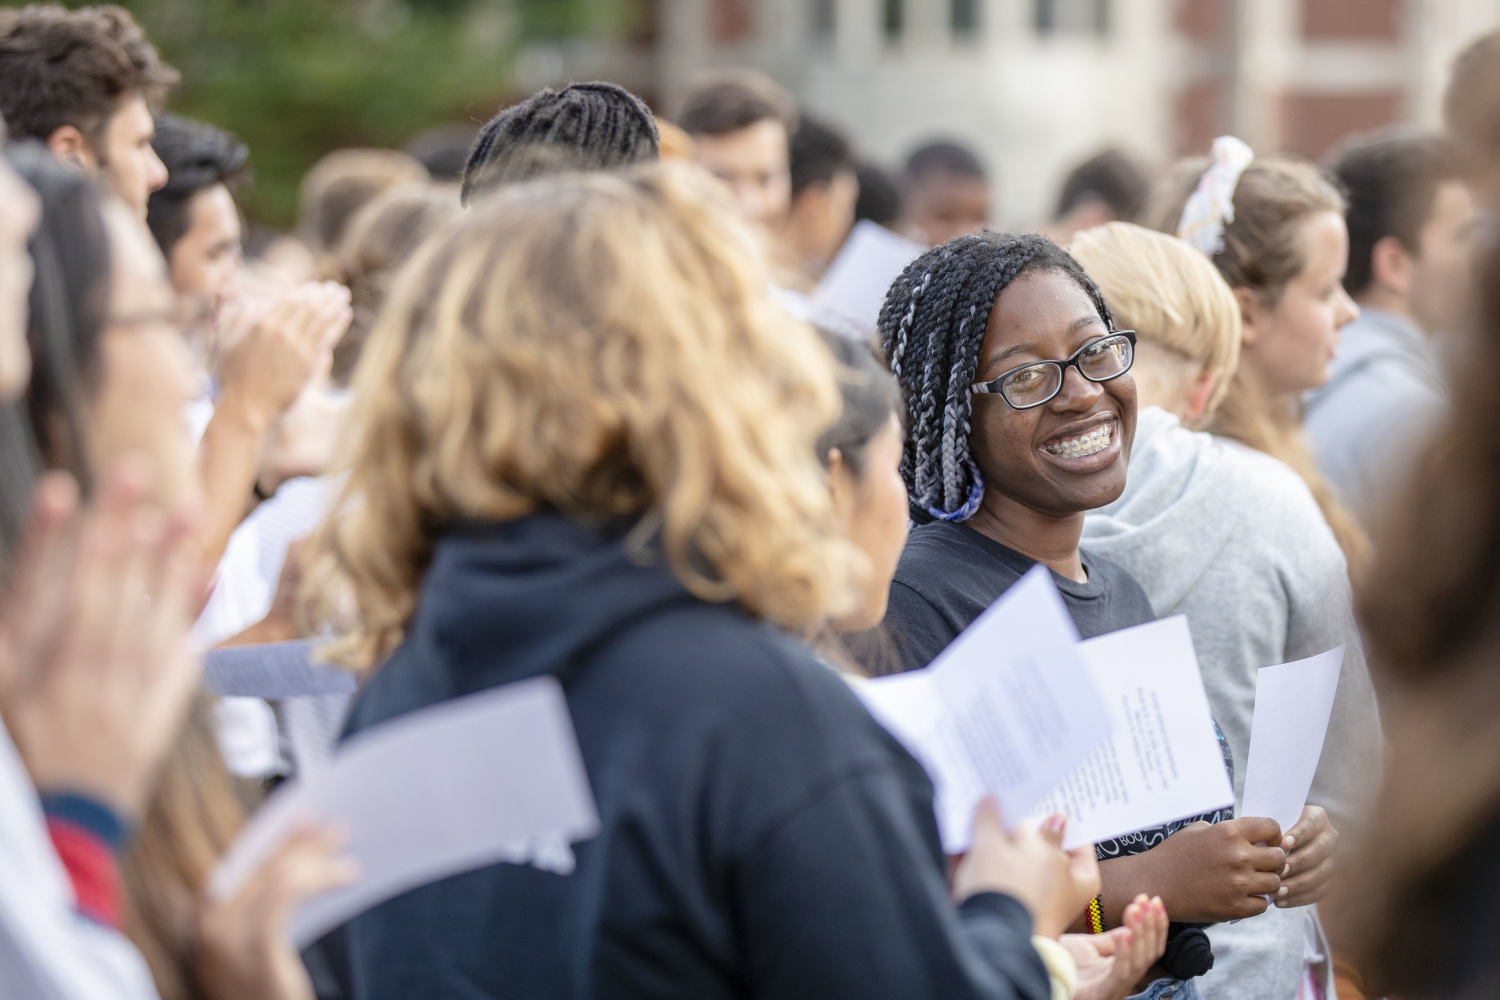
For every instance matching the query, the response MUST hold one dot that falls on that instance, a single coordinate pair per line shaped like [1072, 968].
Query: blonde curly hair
[604, 346]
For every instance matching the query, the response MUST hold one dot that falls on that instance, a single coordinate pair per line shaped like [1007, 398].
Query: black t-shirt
[949, 574]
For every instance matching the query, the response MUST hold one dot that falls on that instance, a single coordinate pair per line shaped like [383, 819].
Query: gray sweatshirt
[1233, 539]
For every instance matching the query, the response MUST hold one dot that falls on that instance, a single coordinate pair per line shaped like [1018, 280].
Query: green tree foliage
[298, 78]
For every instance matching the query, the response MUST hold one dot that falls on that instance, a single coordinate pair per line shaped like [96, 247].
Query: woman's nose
[1077, 392]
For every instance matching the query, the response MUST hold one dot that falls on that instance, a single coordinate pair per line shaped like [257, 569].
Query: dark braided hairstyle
[584, 126]
[931, 329]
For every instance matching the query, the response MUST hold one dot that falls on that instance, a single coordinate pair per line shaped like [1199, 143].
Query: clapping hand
[1111, 964]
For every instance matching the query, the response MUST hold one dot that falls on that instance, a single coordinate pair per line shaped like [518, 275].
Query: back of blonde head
[1168, 293]
[1262, 253]
[602, 346]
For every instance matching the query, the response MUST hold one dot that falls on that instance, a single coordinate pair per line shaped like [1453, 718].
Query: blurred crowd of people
[545, 400]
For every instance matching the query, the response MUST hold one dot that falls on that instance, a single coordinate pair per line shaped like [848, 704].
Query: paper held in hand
[1008, 709]
[1163, 762]
[490, 777]
[272, 670]
[1293, 702]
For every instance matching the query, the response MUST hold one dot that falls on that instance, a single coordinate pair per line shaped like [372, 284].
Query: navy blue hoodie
[761, 835]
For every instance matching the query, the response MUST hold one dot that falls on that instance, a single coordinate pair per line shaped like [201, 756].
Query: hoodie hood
[1173, 520]
[505, 601]
[1378, 337]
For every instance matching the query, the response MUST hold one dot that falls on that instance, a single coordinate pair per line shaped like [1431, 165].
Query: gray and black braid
[931, 328]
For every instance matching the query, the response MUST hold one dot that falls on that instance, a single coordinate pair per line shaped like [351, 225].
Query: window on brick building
[963, 16]
[893, 19]
[1071, 17]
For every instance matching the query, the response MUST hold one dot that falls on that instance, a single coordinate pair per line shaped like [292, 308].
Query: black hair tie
[1189, 952]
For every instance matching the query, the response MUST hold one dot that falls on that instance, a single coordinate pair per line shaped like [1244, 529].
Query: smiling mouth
[1084, 444]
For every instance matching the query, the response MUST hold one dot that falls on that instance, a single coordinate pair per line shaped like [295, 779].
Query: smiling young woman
[1022, 415]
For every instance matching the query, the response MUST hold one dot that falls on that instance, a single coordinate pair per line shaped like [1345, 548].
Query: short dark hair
[735, 101]
[1111, 177]
[1471, 104]
[946, 157]
[818, 154]
[1391, 180]
[197, 157]
[73, 67]
[584, 126]
[879, 196]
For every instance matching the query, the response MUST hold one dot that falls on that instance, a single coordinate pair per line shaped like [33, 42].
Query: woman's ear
[841, 484]
[1252, 314]
[1198, 396]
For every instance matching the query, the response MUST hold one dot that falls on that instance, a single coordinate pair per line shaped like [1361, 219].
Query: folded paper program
[513, 790]
[1009, 709]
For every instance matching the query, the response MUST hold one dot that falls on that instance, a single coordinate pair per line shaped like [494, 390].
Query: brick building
[1036, 85]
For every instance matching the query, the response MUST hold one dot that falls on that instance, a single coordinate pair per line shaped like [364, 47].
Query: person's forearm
[229, 462]
[1121, 880]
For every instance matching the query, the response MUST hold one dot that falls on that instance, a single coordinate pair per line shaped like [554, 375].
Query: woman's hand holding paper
[1312, 847]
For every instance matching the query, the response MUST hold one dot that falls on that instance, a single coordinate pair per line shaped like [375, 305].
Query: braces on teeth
[1086, 445]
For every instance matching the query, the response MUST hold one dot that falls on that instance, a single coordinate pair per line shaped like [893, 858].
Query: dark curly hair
[931, 329]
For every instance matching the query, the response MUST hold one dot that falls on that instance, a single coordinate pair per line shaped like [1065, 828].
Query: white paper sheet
[1292, 705]
[490, 777]
[1163, 762]
[855, 283]
[1009, 708]
[272, 670]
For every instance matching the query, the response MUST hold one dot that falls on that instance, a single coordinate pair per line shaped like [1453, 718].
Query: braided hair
[584, 126]
[931, 327]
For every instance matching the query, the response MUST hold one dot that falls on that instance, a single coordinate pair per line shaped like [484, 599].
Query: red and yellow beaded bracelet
[1095, 916]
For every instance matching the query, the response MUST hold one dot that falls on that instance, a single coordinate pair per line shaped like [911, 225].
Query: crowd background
[517, 342]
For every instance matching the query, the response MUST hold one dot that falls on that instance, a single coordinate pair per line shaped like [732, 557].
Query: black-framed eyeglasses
[1032, 385]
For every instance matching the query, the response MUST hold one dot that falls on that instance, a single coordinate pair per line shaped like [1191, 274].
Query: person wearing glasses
[1022, 412]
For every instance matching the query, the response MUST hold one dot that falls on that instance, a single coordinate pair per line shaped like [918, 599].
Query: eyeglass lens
[1105, 359]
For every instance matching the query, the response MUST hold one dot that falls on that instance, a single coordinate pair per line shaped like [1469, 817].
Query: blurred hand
[1082, 884]
[37, 597]
[100, 666]
[1023, 863]
[1313, 857]
[1210, 873]
[301, 443]
[264, 370]
[1111, 964]
[244, 950]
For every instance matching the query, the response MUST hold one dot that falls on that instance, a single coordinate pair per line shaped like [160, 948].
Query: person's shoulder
[1275, 507]
[769, 702]
[1382, 388]
[720, 653]
[936, 538]
[1124, 590]
[1260, 484]
[937, 549]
